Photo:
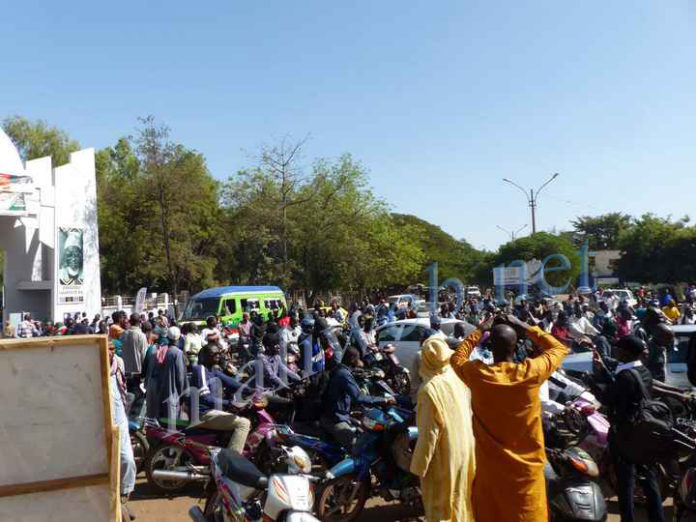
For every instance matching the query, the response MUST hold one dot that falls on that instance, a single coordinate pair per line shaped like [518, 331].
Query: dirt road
[152, 508]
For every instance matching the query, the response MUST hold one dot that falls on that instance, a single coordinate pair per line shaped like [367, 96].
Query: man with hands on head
[510, 452]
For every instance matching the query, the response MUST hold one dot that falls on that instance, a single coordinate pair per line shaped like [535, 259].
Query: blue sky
[439, 100]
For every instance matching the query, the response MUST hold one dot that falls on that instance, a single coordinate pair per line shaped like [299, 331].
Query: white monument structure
[49, 232]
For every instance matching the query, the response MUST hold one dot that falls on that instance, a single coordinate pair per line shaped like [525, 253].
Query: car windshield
[200, 309]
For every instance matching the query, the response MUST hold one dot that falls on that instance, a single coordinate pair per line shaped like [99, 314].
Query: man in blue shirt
[211, 383]
[341, 394]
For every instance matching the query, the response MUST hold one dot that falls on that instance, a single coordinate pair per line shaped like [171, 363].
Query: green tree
[158, 212]
[323, 232]
[181, 196]
[603, 231]
[36, 139]
[455, 258]
[348, 239]
[539, 246]
[125, 226]
[657, 250]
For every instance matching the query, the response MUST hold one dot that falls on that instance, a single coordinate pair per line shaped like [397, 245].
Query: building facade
[50, 235]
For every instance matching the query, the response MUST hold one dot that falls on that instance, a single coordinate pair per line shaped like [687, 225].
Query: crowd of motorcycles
[291, 470]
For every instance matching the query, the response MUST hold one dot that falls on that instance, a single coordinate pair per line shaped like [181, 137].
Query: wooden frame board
[56, 434]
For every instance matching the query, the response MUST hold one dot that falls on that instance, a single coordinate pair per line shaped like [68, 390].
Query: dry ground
[151, 508]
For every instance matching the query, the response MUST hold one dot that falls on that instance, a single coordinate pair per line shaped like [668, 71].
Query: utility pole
[532, 197]
[513, 233]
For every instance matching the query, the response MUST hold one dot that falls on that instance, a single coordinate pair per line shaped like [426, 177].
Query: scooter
[573, 494]
[239, 491]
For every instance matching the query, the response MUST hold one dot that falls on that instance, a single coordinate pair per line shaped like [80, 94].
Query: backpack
[650, 436]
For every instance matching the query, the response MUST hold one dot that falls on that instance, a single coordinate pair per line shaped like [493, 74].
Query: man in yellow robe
[444, 454]
[509, 482]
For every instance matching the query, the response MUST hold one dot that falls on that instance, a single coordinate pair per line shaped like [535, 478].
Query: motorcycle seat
[240, 470]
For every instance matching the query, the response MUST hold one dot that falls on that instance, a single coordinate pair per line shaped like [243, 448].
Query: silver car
[676, 359]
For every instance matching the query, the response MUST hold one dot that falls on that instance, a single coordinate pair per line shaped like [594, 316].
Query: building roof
[10, 162]
[222, 290]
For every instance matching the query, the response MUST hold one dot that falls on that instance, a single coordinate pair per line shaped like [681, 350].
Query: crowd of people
[481, 390]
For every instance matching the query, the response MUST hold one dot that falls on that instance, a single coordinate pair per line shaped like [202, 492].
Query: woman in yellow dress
[510, 455]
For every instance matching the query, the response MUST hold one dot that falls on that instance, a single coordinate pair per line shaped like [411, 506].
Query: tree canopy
[158, 214]
[601, 232]
[658, 250]
[36, 139]
[166, 223]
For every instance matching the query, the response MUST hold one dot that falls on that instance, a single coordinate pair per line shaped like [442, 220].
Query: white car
[624, 295]
[473, 291]
[676, 359]
[406, 336]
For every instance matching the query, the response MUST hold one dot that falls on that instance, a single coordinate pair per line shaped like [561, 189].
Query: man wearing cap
[207, 403]
[623, 397]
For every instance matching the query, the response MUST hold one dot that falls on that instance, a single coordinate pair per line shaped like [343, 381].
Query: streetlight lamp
[513, 233]
[532, 197]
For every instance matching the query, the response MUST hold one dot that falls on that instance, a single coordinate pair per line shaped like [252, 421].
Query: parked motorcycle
[378, 466]
[323, 453]
[139, 443]
[185, 450]
[239, 491]
[571, 488]
[385, 359]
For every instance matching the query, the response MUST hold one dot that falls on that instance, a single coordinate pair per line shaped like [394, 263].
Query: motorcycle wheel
[166, 456]
[402, 383]
[342, 499]
[140, 449]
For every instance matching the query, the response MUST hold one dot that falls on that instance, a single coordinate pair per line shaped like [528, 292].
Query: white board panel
[52, 424]
[84, 504]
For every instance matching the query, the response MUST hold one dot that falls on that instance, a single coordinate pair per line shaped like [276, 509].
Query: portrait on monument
[71, 259]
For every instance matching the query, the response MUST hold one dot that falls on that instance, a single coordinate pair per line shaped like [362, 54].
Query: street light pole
[532, 197]
[511, 233]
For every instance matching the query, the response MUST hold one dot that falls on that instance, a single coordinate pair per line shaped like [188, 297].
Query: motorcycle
[385, 359]
[564, 388]
[186, 450]
[239, 491]
[139, 443]
[324, 454]
[378, 466]
[572, 491]
[583, 426]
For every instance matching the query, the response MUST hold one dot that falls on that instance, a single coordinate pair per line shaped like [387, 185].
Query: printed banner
[70, 266]
[13, 190]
